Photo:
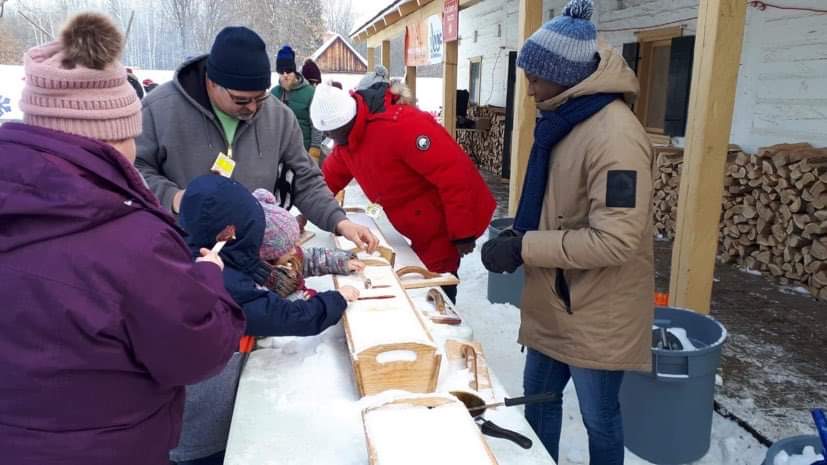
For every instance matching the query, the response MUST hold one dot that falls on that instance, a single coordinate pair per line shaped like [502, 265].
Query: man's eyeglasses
[244, 101]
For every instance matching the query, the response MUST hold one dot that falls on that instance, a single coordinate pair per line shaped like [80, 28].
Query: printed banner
[423, 42]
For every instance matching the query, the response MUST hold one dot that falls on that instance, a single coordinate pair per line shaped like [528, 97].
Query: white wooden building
[782, 84]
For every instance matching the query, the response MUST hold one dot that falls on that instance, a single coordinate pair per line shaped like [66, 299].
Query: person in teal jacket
[297, 93]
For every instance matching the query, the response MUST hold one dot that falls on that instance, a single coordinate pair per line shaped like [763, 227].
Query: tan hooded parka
[596, 232]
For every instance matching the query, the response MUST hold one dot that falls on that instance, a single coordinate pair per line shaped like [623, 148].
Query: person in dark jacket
[149, 85]
[211, 203]
[311, 72]
[295, 91]
[407, 163]
[135, 83]
[105, 317]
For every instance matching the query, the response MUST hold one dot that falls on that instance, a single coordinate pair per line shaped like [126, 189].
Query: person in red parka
[407, 163]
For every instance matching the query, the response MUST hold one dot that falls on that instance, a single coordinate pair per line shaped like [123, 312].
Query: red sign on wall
[450, 20]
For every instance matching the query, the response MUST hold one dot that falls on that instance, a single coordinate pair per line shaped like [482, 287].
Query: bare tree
[181, 12]
[338, 16]
[11, 48]
[297, 23]
[165, 32]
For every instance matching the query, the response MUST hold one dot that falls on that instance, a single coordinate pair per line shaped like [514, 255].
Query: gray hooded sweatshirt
[182, 137]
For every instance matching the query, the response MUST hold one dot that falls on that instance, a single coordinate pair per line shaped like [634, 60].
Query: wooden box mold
[390, 345]
[433, 430]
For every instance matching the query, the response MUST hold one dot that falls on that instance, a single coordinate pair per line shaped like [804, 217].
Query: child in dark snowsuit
[211, 203]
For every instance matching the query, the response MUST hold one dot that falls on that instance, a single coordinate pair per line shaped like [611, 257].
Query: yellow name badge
[223, 165]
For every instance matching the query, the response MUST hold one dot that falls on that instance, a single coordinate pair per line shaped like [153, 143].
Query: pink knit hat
[281, 231]
[77, 84]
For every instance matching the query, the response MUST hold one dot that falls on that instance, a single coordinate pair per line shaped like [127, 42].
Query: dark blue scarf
[552, 127]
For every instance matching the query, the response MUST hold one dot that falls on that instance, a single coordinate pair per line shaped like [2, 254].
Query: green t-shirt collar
[228, 123]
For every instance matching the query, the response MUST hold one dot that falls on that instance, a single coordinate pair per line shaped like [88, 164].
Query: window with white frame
[474, 80]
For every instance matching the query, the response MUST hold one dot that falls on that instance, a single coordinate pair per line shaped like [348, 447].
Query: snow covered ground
[495, 327]
[429, 90]
[11, 86]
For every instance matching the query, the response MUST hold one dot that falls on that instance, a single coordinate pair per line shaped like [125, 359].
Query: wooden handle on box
[436, 297]
[416, 270]
[419, 375]
[470, 354]
[384, 252]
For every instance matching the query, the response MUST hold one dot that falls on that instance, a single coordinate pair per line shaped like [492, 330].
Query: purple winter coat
[103, 315]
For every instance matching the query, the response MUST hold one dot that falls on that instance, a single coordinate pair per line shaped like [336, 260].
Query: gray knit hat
[379, 74]
[564, 50]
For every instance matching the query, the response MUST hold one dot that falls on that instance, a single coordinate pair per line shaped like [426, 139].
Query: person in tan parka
[583, 232]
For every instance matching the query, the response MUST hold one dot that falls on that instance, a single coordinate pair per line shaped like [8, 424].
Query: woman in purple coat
[103, 314]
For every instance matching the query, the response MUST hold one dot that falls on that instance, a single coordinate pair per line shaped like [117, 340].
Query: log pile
[485, 146]
[774, 215]
[667, 179]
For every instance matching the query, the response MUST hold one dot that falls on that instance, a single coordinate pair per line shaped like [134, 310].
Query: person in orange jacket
[407, 163]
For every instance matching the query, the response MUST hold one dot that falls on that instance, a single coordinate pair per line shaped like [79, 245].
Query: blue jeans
[215, 459]
[597, 391]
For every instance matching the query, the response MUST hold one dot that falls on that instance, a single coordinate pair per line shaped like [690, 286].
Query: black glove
[503, 254]
[465, 246]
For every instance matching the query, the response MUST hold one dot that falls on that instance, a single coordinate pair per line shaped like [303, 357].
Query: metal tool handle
[533, 399]
[490, 428]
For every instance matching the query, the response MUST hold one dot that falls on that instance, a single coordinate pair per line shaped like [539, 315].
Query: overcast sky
[363, 8]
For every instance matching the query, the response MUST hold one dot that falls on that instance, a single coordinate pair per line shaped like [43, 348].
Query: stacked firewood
[485, 146]
[667, 179]
[774, 216]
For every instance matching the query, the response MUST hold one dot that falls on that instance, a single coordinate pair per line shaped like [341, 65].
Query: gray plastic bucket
[504, 288]
[667, 413]
[793, 446]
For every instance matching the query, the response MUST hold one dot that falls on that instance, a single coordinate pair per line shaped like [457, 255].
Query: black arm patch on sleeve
[621, 189]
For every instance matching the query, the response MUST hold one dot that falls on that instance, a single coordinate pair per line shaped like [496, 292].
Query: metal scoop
[476, 408]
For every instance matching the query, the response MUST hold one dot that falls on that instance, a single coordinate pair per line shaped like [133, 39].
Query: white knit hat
[332, 108]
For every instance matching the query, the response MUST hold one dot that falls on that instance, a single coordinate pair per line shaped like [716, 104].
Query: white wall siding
[485, 18]
[626, 14]
[782, 84]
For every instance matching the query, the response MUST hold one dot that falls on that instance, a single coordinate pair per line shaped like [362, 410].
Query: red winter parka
[407, 163]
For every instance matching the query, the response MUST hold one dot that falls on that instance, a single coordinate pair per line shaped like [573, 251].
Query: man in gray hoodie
[217, 115]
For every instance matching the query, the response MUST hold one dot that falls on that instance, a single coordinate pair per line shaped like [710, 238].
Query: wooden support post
[450, 57]
[714, 77]
[386, 54]
[410, 80]
[371, 59]
[525, 111]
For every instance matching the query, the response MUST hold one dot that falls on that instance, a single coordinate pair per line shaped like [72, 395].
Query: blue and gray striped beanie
[564, 50]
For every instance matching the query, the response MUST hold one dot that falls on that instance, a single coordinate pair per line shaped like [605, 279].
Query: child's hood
[211, 203]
